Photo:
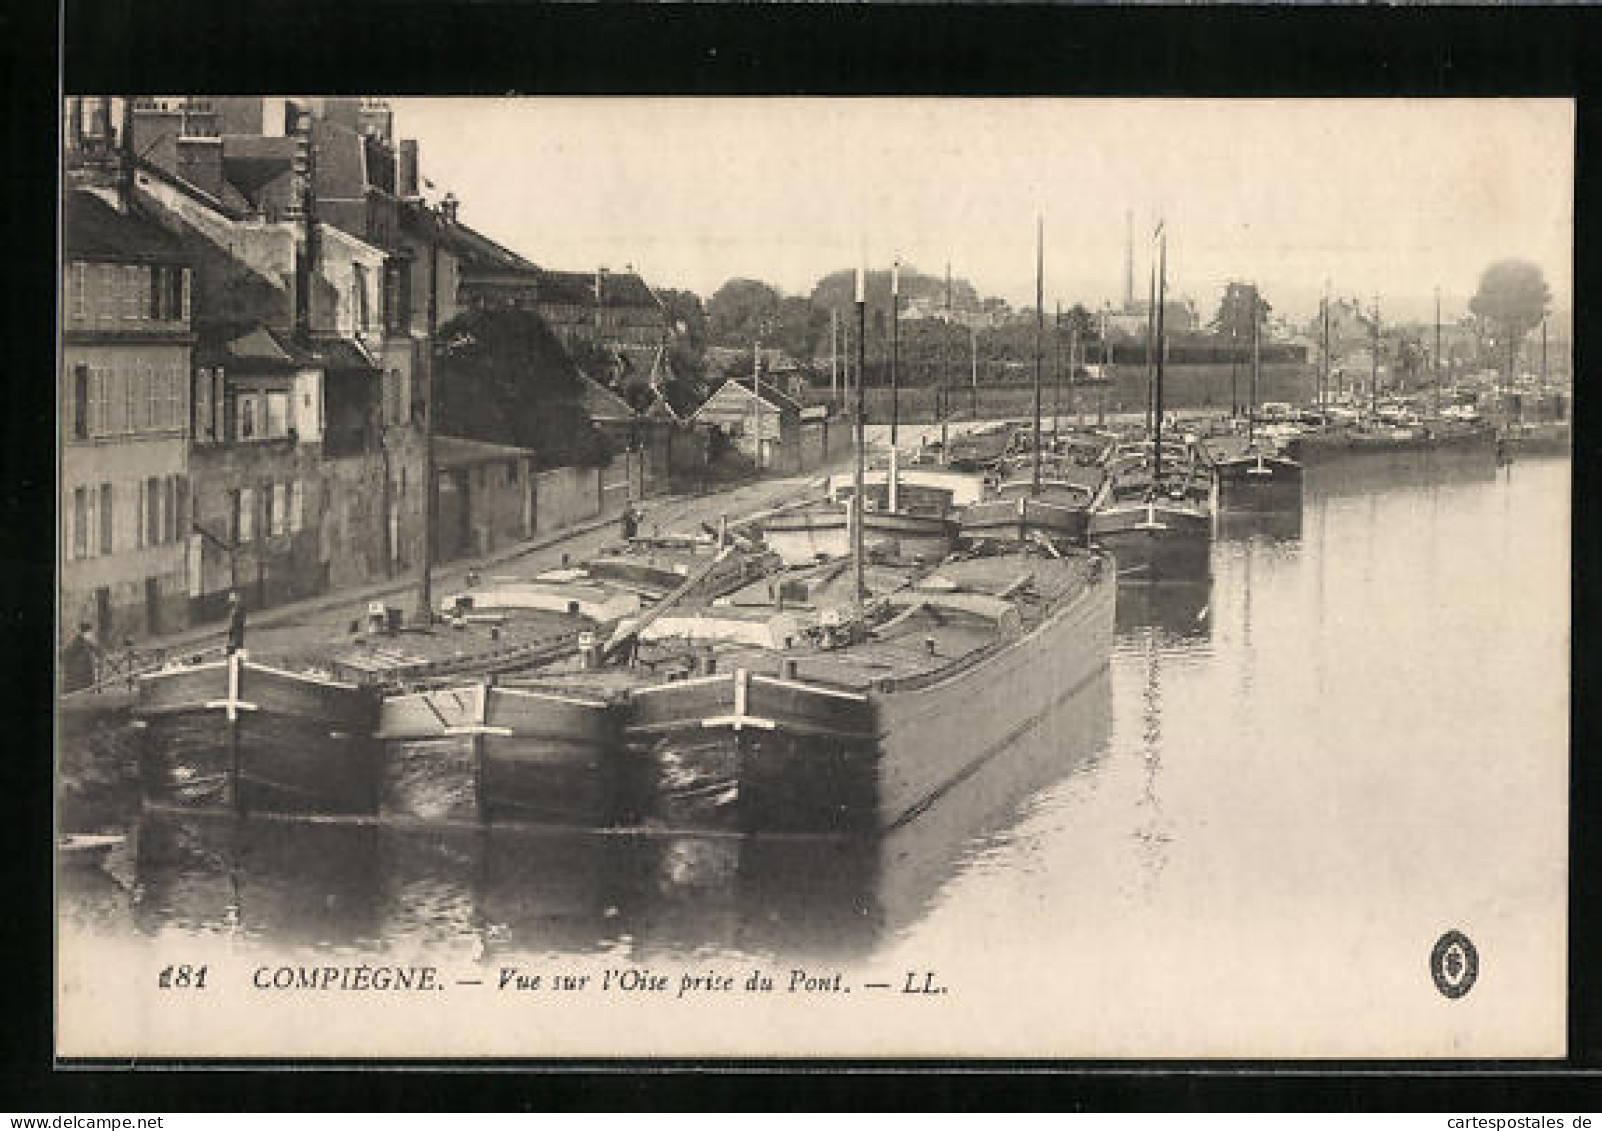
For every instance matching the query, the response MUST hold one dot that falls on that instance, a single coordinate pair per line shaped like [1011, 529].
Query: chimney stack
[449, 206]
[407, 172]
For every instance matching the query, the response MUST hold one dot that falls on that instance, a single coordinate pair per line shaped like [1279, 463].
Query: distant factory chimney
[1129, 261]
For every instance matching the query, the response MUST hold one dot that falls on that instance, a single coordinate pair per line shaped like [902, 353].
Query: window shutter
[153, 511]
[202, 403]
[106, 525]
[91, 525]
[144, 509]
[182, 518]
[80, 523]
[186, 275]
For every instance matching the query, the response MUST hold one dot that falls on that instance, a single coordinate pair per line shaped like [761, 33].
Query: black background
[400, 47]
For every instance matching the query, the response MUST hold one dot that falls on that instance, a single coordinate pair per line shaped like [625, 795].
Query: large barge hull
[1155, 544]
[1022, 518]
[247, 737]
[803, 537]
[933, 737]
[1259, 483]
[1333, 447]
[757, 752]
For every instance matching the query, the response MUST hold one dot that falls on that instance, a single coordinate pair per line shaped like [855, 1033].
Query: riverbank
[322, 623]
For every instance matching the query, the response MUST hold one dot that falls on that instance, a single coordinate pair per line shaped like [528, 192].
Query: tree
[1234, 317]
[837, 289]
[741, 311]
[1511, 301]
[1080, 319]
[686, 315]
[503, 377]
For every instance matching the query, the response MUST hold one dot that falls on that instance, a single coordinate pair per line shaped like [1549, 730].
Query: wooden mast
[1323, 389]
[1373, 379]
[1056, 373]
[895, 354]
[1257, 361]
[858, 474]
[1040, 332]
[1437, 367]
[1157, 387]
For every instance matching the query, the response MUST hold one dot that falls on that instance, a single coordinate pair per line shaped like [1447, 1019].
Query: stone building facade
[123, 411]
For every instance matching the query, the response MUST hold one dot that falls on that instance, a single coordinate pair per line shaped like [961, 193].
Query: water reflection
[487, 893]
[1177, 609]
[1378, 475]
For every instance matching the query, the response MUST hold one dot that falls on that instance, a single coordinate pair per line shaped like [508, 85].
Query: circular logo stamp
[1454, 964]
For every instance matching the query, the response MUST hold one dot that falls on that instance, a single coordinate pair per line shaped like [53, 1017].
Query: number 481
[182, 978]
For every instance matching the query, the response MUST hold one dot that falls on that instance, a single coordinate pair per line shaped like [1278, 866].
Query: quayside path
[324, 620]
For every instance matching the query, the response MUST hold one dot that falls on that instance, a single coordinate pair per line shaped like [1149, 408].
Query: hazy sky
[1387, 196]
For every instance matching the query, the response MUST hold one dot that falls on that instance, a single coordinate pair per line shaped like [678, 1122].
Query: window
[177, 291]
[154, 398]
[80, 295]
[91, 522]
[269, 502]
[295, 503]
[158, 276]
[359, 302]
[235, 509]
[80, 523]
[247, 514]
[175, 397]
[80, 401]
[247, 417]
[202, 405]
[105, 518]
[97, 401]
[218, 422]
[130, 293]
[181, 517]
[169, 512]
[110, 281]
[397, 297]
[129, 401]
[277, 422]
[153, 511]
[280, 505]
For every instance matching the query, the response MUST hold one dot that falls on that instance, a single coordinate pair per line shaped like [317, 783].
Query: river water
[1243, 841]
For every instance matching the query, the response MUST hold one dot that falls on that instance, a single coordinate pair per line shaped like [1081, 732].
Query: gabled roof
[94, 230]
[268, 349]
[259, 349]
[602, 403]
[342, 353]
[770, 396]
[577, 288]
[473, 248]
